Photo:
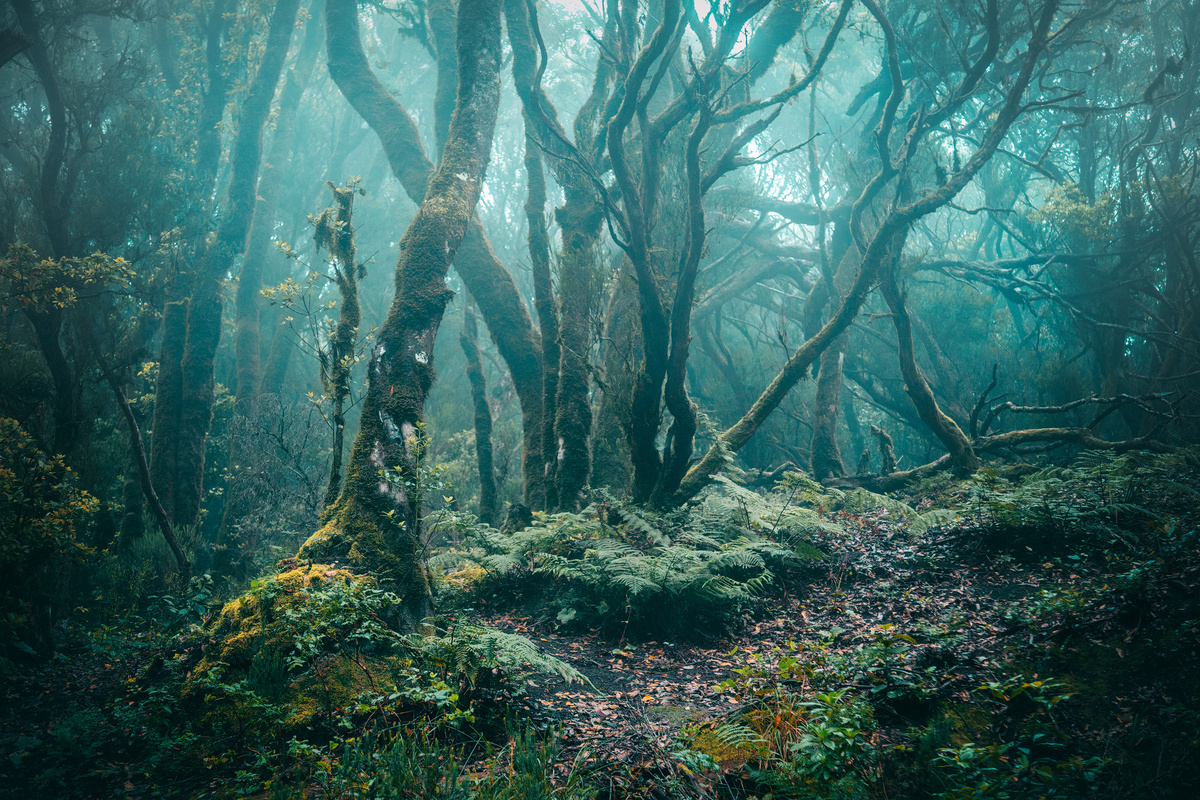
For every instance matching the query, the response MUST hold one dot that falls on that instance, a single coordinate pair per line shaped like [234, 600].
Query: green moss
[728, 756]
[244, 626]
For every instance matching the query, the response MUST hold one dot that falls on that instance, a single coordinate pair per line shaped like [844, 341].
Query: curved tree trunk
[915, 384]
[376, 523]
[204, 313]
[486, 279]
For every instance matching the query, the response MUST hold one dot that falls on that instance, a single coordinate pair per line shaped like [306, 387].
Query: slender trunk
[204, 313]
[376, 523]
[487, 280]
[488, 503]
[566, 399]
[947, 431]
[168, 407]
[208, 136]
[247, 301]
[339, 360]
[166, 50]
[682, 433]
[134, 501]
[160, 514]
[47, 328]
[547, 311]
[53, 206]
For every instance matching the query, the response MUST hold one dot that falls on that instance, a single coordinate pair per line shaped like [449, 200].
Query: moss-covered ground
[1020, 636]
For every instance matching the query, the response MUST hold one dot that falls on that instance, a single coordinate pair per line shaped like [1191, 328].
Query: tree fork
[375, 526]
[489, 282]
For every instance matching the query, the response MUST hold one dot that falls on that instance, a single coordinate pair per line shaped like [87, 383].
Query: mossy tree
[375, 526]
[203, 334]
[491, 285]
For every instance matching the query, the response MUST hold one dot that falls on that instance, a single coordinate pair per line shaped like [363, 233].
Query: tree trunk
[486, 279]
[204, 312]
[340, 359]
[547, 312]
[376, 523]
[247, 301]
[826, 453]
[160, 514]
[488, 503]
[168, 407]
[947, 431]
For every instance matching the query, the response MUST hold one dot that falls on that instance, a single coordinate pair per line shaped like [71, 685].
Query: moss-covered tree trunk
[376, 523]
[494, 290]
[568, 422]
[469, 342]
[204, 312]
[826, 453]
[335, 231]
[168, 405]
[547, 312]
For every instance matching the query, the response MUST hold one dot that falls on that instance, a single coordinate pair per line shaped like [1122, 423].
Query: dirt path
[949, 599]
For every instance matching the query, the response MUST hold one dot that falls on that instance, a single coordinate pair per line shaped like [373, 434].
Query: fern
[464, 650]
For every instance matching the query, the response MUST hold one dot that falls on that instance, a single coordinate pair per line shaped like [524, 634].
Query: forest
[609, 399]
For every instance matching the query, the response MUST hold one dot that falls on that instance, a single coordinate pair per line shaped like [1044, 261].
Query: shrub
[39, 508]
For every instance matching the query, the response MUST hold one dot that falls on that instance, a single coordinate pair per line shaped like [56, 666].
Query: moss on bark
[489, 282]
[375, 526]
[488, 504]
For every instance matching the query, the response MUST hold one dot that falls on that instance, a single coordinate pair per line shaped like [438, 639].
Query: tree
[376, 524]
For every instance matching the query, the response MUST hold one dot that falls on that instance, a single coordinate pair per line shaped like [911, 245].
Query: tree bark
[339, 237]
[890, 234]
[547, 312]
[160, 514]
[469, 342]
[376, 524]
[204, 312]
[168, 407]
[488, 281]
[915, 384]
[247, 301]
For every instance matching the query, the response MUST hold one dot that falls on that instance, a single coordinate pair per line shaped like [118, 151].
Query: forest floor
[944, 600]
[946, 628]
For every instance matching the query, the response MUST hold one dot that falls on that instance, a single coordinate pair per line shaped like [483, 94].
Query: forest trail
[940, 600]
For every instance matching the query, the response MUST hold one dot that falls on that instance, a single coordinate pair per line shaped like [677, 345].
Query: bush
[39, 509]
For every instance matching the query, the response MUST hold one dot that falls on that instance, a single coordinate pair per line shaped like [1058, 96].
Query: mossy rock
[245, 625]
[248, 680]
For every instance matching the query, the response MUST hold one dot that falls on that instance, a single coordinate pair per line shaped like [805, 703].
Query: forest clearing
[814, 412]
